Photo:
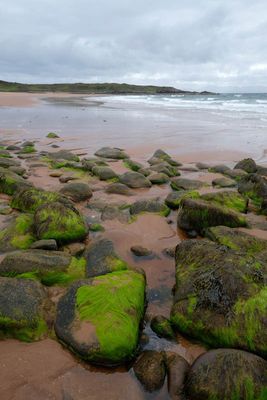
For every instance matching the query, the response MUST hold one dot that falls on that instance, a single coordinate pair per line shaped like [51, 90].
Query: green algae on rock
[50, 267]
[22, 309]
[229, 199]
[59, 222]
[10, 182]
[173, 200]
[162, 327]
[52, 135]
[200, 214]
[220, 296]
[19, 235]
[226, 374]
[99, 318]
[150, 206]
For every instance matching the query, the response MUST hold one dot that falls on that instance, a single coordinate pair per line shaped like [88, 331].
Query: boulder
[162, 327]
[134, 180]
[52, 135]
[165, 168]
[185, 184]
[140, 251]
[150, 370]
[104, 173]
[223, 182]
[174, 199]
[99, 318]
[196, 215]
[162, 155]
[229, 199]
[7, 163]
[22, 309]
[102, 259]
[235, 173]
[114, 212]
[50, 267]
[133, 165]
[253, 186]
[5, 154]
[118, 188]
[11, 183]
[219, 169]
[220, 296]
[48, 244]
[177, 370]
[201, 165]
[18, 235]
[248, 165]
[111, 152]
[77, 191]
[227, 374]
[59, 222]
[63, 155]
[158, 179]
[149, 206]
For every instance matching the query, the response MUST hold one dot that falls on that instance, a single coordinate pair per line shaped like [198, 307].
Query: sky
[189, 44]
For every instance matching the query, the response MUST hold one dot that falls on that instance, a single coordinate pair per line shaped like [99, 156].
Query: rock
[253, 186]
[63, 155]
[261, 170]
[158, 179]
[150, 370]
[18, 235]
[5, 154]
[111, 152]
[219, 169]
[227, 374]
[177, 370]
[27, 144]
[5, 210]
[29, 199]
[88, 313]
[220, 296]
[145, 171]
[151, 206]
[110, 213]
[201, 165]
[165, 168]
[247, 165]
[18, 170]
[77, 191]
[185, 184]
[52, 135]
[22, 309]
[189, 168]
[200, 214]
[140, 251]
[229, 199]
[174, 199]
[96, 227]
[162, 327]
[67, 178]
[118, 188]
[133, 165]
[26, 150]
[56, 174]
[223, 182]
[235, 173]
[59, 222]
[7, 163]
[10, 182]
[101, 258]
[89, 163]
[162, 155]
[49, 244]
[169, 251]
[134, 180]
[12, 147]
[74, 249]
[236, 240]
[50, 267]
[104, 173]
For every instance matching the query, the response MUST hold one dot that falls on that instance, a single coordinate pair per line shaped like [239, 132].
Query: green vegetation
[21, 330]
[19, 235]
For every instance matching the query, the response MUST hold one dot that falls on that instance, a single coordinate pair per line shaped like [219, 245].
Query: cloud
[191, 44]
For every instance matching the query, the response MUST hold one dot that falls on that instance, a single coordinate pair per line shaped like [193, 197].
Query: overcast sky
[189, 44]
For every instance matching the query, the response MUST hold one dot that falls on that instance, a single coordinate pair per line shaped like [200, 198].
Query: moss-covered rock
[236, 240]
[220, 296]
[5, 154]
[104, 173]
[99, 318]
[173, 200]
[111, 152]
[7, 163]
[158, 179]
[102, 259]
[11, 183]
[163, 156]
[150, 370]
[229, 199]
[219, 169]
[60, 222]
[150, 206]
[118, 188]
[223, 182]
[134, 180]
[52, 135]
[196, 215]
[19, 235]
[23, 306]
[248, 165]
[50, 267]
[63, 155]
[29, 199]
[185, 184]
[226, 374]
[253, 186]
[165, 168]
[133, 165]
[162, 327]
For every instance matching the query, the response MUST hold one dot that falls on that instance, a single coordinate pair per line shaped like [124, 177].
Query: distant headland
[93, 88]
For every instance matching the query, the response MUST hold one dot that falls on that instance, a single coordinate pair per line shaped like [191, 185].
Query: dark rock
[248, 165]
[140, 251]
[113, 212]
[134, 180]
[169, 251]
[111, 152]
[74, 249]
[201, 165]
[162, 155]
[10, 182]
[229, 199]
[177, 370]
[165, 168]
[219, 169]
[7, 163]
[104, 173]
[158, 179]
[220, 296]
[235, 173]
[67, 178]
[52, 135]
[118, 188]
[227, 374]
[162, 327]
[223, 182]
[49, 244]
[173, 200]
[151, 206]
[253, 186]
[63, 155]
[12, 147]
[5, 154]
[133, 165]
[77, 191]
[101, 258]
[17, 170]
[27, 144]
[99, 318]
[200, 214]
[150, 370]
[145, 171]
[185, 184]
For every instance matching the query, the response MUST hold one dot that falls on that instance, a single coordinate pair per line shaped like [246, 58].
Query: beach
[83, 125]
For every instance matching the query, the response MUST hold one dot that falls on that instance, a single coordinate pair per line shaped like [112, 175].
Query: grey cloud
[192, 44]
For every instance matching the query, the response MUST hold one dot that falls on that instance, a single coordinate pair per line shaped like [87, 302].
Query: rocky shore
[151, 272]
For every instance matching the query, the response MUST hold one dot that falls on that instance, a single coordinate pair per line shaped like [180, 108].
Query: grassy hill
[90, 88]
